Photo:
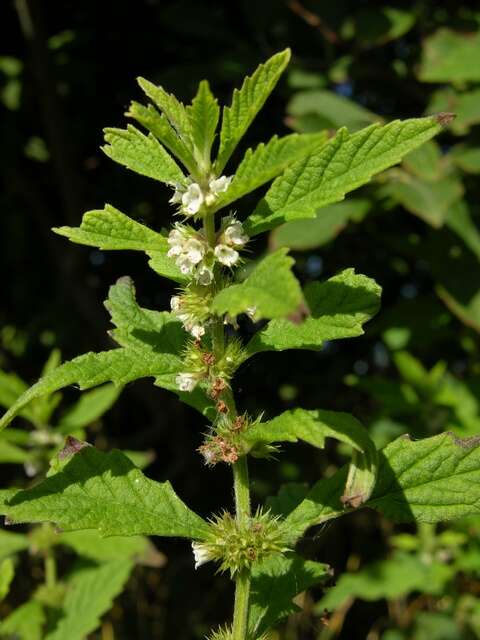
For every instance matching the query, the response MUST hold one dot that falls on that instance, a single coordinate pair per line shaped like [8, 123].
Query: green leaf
[106, 492]
[338, 309]
[460, 221]
[312, 427]
[275, 582]
[90, 594]
[88, 408]
[467, 158]
[110, 229]
[142, 154]
[11, 386]
[322, 503]
[12, 454]
[246, 103]
[379, 25]
[430, 201]
[90, 544]
[447, 57]
[324, 109]
[173, 109]
[12, 543]
[303, 235]
[343, 164]
[267, 161]
[465, 105]
[7, 573]
[161, 128]
[426, 161]
[151, 343]
[271, 288]
[203, 114]
[25, 623]
[430, 480]
[389, 579]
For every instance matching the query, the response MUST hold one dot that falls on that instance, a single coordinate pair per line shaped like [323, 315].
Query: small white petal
[251, 311]
[175, 237]
[201, 554]
[204, 275]
[176, 250]
[197, 331]
[185, 265]
[192, 199]
[186, 381]
[219, 185]
[195, 250]
[235, 235]
[226, 255]
[175, 303]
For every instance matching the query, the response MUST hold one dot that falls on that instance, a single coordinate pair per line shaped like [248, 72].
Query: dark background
[79, 62]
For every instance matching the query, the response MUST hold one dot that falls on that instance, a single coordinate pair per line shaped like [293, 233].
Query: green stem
[240, 474]
[50, 570]
[242, 581]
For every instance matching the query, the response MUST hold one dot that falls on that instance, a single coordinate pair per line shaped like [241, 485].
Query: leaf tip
[72, 447]
[444, 118]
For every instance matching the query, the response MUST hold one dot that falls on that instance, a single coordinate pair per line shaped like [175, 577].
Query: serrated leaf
[12, 543]
[303, 235]
[266, 161]
[173, 109]
[106, 492]
[275, 582]
[447, 57]
[7, 573]
[246, 103]
[271, 288]
[88, 408]
[342, 164]
[203, 115]
[161, 128]
[25, 623]
[142, 154]
[111, 230]
[151, 343]
[287, 499]
[430, 480]
[312, 427]
[90, 544]
[90, 593]
[390, 579]
[338, 309]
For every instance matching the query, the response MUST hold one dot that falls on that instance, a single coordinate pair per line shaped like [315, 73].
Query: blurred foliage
[67, 70]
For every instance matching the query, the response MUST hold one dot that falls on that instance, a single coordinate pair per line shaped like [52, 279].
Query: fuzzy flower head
[191, 253]
[234, 234]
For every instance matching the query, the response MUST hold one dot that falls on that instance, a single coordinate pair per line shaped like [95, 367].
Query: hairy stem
[241, 483]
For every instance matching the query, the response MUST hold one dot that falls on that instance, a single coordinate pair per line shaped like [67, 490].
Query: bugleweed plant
[196, 348]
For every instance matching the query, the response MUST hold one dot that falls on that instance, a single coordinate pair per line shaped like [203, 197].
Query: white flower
[176, 240]
[204, 275]
[201, 554]
[178, 193]
[226, 255]
[192, 199]
[185, 265]
[234, 234]
[194, 250]
[197, 331]
[175, 303]
[251, 311]
[186, 381]
[219, 185]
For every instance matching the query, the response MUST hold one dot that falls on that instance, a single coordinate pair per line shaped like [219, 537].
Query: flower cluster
[236, 546]
[192, 197]
[194, 256]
